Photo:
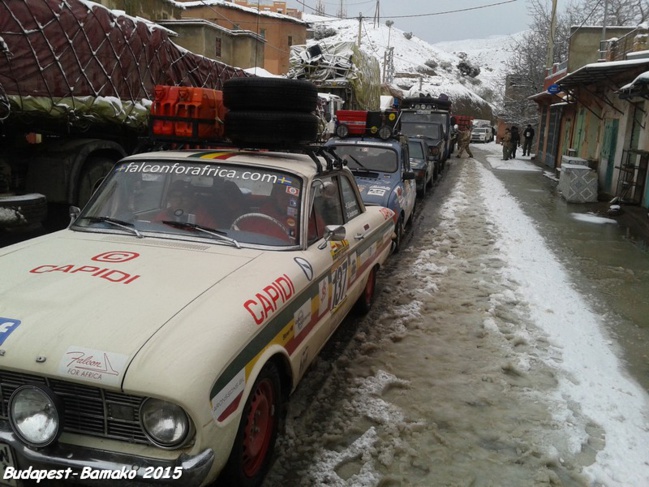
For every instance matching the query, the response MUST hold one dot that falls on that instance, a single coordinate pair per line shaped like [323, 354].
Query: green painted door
[608, 151]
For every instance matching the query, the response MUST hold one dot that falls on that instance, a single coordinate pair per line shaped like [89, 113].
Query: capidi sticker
[92, 365]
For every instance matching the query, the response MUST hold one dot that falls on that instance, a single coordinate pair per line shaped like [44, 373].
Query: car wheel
[93, 173]
[271, 129]
[364, 303]
[422, 192]
[24, 211]
[270, 94]
[398, 230]
[252, 451]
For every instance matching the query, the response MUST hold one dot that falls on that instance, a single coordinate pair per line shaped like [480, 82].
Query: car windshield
[229, 204]
[426, 129]
[416, 150]
[380, 159]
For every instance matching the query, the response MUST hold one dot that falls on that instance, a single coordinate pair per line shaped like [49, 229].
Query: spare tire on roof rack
[270, 94]
[271, 129]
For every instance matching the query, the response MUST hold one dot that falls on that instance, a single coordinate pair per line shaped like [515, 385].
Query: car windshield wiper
[362, 168]
[114, 221]
[199, 228]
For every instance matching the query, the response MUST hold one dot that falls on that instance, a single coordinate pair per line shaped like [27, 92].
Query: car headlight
[164, 423]
[35, 415]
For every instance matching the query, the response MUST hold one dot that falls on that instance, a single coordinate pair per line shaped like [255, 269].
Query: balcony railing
[618, 48]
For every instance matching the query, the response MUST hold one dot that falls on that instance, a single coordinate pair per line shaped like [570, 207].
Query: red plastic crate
[355, 120]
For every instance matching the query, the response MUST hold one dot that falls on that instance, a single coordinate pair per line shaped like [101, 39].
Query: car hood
[80, 304]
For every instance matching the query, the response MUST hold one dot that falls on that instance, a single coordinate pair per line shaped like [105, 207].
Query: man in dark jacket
[515, 142]
[528, 136]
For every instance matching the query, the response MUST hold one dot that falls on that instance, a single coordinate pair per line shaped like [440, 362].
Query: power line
[446, 12]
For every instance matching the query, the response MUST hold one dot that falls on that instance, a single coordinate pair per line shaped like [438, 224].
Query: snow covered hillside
[471, 70]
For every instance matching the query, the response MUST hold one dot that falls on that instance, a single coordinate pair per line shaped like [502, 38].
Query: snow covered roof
[595, 72]
[223, 3]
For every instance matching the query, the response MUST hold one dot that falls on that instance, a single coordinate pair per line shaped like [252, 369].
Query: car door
[338, 267]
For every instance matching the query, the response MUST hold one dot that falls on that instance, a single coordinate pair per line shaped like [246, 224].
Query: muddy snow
[479, 365]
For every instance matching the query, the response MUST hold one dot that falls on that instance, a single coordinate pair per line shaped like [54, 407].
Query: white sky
[425, 18]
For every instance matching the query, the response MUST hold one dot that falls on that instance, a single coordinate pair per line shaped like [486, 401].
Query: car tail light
[434, 151]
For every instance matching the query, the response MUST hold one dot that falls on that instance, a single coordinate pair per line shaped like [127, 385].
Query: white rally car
[157, 338]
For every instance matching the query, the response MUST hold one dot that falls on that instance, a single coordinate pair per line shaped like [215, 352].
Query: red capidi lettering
[85, 268]
[266, 304]
[285, 282]
[110, 275]
[123, 276]
[42, 268]
[248, 305]
[274, 294]
[63, 268]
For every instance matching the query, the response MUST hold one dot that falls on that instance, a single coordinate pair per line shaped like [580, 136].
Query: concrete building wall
[240, 49]
[584, 44]
[279, 33]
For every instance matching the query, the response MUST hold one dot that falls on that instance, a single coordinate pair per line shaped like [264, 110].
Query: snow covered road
[480, 364]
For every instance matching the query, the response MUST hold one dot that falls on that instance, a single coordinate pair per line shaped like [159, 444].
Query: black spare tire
[271, 129]
[271, 94]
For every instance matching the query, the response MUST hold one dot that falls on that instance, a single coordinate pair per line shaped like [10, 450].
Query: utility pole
[549, 61]
[388, 57]
[377, 14]
[360, 27]
[341, 12]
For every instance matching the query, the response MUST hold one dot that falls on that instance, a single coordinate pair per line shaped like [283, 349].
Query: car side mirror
[408, 175]
[333, 233]
[74, 212]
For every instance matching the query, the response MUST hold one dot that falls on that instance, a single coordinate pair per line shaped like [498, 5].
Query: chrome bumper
[194, 469]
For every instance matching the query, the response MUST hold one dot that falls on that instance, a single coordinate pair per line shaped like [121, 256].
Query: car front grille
[87, 410]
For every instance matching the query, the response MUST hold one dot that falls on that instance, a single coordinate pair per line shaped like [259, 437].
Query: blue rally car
[383, 175]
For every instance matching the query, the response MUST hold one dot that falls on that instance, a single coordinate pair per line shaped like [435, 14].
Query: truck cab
[425, 116]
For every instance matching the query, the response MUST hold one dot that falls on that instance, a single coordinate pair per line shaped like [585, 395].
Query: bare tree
[320, 8]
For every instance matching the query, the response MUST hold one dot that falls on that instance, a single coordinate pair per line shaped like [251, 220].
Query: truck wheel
[251, 454]
[25, 211]
[93, 173]
[270, 94]
[271, 129]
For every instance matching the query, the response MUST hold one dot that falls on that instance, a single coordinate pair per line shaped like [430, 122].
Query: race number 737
[339, 284]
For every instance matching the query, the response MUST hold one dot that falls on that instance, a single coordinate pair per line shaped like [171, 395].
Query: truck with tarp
[77, 82]
[341, 69]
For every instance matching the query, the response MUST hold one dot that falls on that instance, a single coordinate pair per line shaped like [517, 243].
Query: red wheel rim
[259, 428]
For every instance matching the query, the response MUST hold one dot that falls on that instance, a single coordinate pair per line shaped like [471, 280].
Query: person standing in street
[506, 141]
[528, 136]
[515, 141]
[463, 140]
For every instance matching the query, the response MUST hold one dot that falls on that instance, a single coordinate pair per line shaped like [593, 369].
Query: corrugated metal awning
[602, 72]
